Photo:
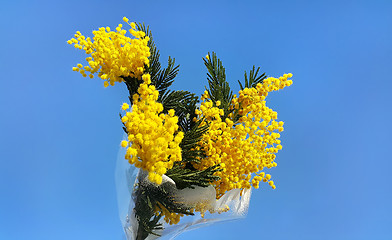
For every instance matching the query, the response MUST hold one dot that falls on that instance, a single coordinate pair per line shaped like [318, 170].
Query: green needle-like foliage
[149, 197]
[182, 102]
[162, 79]
[253, 80]
[218, 88]
[188, 178]
[190, 141]
[165, 77]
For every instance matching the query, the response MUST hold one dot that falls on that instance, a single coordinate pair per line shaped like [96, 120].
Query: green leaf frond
[184, 104]
[144, 211]
[165, 77]
[160, 78]
[189, 143]
[218, 87]
[188, 178]
[149, 197]
[253, 79]
[155, 65]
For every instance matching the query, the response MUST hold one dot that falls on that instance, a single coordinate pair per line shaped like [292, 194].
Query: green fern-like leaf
[189, 143]
[162, 79]
[188, 178]
[253, 79]
[219, 88]
[184, 104]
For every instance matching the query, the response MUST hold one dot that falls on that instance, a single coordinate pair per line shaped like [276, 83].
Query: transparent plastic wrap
[131, 180]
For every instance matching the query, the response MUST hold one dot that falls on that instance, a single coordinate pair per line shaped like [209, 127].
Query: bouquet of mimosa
[186, 162]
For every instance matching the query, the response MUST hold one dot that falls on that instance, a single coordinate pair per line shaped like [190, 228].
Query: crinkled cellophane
[128, 177]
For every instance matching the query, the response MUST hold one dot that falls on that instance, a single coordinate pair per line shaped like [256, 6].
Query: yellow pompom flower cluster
[245, 147]
[153, 137]
[113, 55]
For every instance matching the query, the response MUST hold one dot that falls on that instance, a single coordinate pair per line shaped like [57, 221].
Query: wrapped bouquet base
[132, 182]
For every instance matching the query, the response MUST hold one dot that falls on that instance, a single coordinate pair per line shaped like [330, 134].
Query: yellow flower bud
[124, 143]
[125, 106]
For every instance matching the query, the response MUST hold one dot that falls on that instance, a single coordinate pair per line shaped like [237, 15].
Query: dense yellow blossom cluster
[113, 55]
[153, 139]
[245, 147]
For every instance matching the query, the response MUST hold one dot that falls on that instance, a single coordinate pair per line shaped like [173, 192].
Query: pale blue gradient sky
[60, 133]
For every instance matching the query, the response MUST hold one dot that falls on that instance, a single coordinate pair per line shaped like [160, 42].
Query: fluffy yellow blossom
[246, 147]
[124, 143]
[125, 106]
[153, 135]
[113, 55]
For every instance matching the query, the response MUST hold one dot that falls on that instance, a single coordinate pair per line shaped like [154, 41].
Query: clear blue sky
[60, 132]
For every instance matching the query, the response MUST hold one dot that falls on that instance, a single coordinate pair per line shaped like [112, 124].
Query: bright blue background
[60, 133]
